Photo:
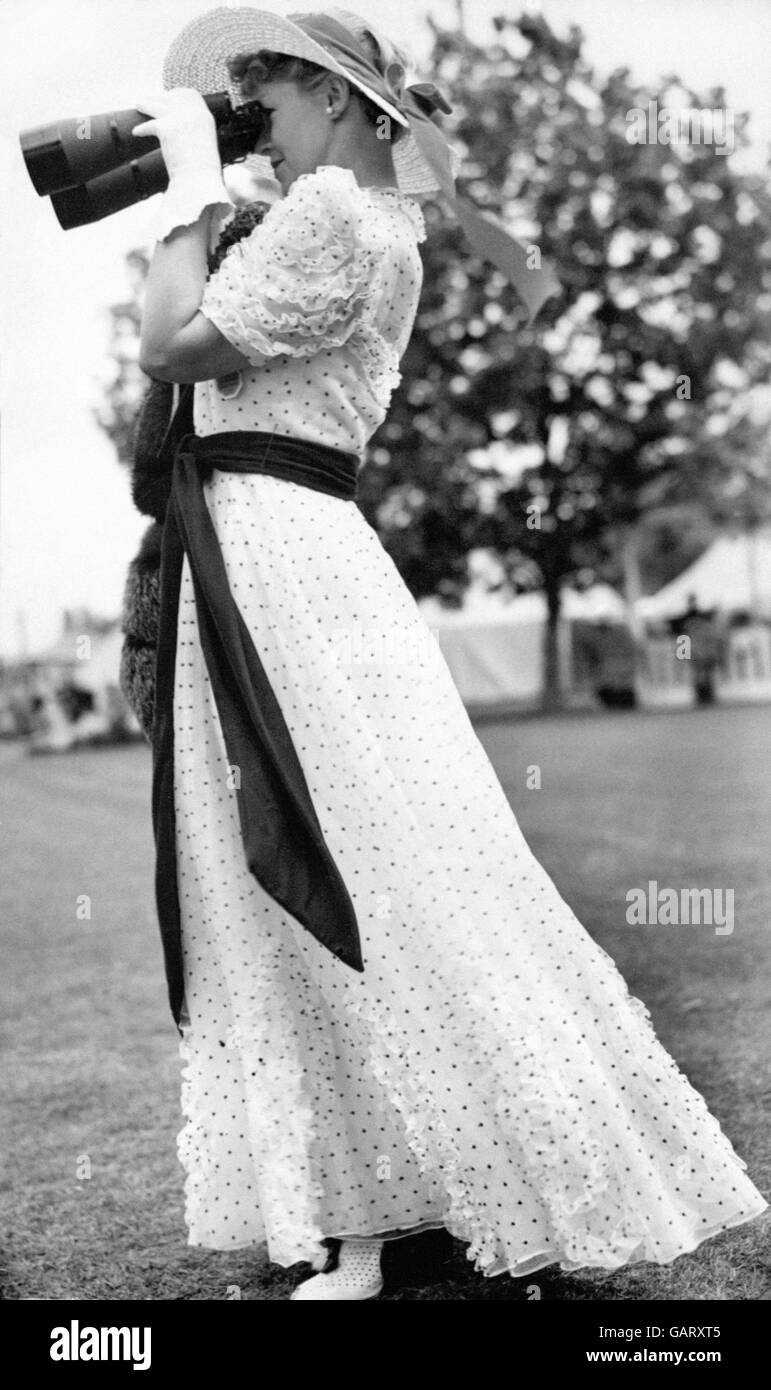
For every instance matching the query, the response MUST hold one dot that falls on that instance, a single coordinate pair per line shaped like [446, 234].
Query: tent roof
[99, 669]
[734, 573]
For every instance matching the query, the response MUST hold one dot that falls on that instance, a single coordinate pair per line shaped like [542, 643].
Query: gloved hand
[185, 128]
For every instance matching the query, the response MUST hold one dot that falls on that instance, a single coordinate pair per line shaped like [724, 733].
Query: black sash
[283, 842]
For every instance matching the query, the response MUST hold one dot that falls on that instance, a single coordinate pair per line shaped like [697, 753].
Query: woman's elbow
[152, 361]
[196, 352]
[165, 367]
[180, 363]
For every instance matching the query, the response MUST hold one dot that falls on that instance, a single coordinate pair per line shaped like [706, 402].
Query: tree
[549, 444]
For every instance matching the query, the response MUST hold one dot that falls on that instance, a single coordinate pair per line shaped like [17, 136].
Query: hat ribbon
[534, 282]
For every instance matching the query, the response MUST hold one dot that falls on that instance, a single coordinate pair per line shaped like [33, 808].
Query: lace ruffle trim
[344, 181]
[405, 204]
[281, 1127]
[571, 1170]
[569, 1167]
[288, 295]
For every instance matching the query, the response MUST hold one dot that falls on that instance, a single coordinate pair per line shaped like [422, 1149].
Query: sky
[68, 528]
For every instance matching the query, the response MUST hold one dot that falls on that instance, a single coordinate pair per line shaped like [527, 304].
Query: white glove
[185, 127]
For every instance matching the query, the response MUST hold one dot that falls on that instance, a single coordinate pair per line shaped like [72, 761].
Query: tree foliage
[628, 391]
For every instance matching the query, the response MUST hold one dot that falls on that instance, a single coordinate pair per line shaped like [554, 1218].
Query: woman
[391, 1020]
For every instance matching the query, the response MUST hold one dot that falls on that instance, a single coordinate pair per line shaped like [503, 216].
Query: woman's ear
[337, 94]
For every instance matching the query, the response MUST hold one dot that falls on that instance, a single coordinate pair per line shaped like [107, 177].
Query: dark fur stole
[150, 485]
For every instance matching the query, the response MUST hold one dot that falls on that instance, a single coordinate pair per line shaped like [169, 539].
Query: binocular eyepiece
[92, 166]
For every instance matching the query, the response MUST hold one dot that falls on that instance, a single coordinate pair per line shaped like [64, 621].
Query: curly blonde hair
[249, 69]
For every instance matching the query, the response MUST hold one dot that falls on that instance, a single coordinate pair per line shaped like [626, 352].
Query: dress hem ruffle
[544, 1259]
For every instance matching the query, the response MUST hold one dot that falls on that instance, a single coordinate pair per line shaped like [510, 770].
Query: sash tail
[163, 812]
[283, 841]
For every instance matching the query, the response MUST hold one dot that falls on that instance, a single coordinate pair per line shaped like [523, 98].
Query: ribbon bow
[428, 97]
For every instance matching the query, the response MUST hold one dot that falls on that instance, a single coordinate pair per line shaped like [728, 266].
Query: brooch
[230, 385]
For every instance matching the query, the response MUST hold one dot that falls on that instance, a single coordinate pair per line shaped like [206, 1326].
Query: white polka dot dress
[489, 1071]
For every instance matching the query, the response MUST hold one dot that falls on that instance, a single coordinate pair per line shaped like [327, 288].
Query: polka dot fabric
[321, 298]
[489, 1071]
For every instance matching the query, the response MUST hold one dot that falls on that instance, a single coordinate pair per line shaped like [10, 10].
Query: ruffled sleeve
[299, 283]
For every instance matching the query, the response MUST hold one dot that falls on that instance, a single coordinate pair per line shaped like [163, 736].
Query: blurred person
[701, 627]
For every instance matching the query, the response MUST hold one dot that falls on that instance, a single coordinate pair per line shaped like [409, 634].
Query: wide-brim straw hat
[424, 161]
[198, 58]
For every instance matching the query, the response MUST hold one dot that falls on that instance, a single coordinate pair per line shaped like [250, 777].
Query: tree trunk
[629, 552]
[552, 695]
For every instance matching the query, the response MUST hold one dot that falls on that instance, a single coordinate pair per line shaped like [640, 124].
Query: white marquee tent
[494, 645]
[733, 575]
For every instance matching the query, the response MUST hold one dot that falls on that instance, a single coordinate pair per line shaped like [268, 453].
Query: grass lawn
[91, 1080]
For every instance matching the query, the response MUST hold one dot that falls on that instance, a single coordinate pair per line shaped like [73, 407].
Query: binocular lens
[92, 166]
[80, 149]
[46, 159]
[121, 188]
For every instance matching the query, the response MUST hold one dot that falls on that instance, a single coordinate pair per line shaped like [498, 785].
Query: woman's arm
[178, 343]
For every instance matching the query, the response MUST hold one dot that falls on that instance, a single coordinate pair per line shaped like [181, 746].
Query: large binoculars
[91, 166]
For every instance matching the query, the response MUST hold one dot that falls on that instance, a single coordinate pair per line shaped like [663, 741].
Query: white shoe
[319, 1288]
[357, 1276]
